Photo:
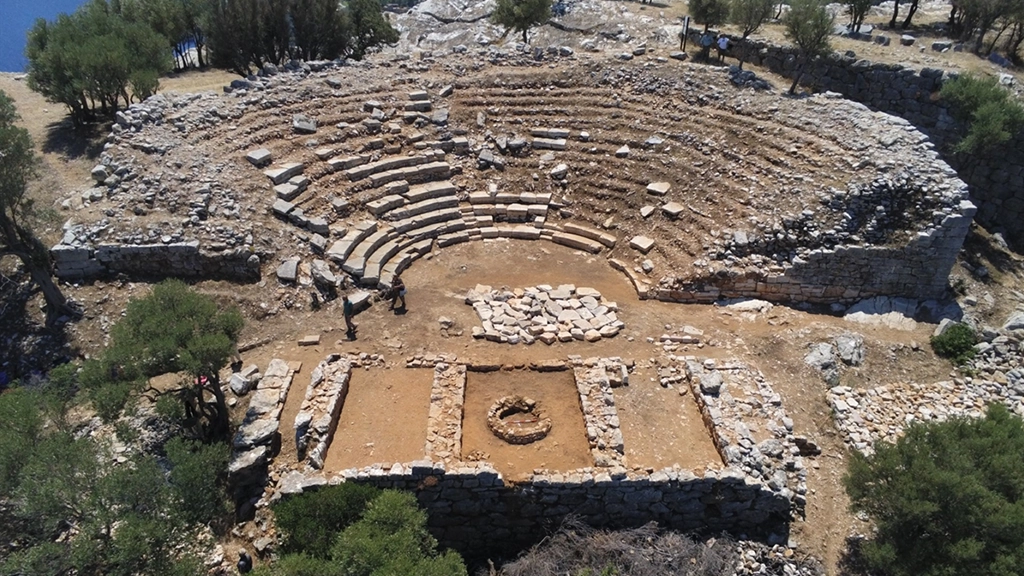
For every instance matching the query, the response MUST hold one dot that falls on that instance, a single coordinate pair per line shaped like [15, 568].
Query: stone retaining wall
[996, 181]
[473, 509]
[184, 259]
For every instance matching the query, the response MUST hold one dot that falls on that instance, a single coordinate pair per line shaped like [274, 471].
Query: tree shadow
[851, 561]
[981, 249]
[73, 142]
[28, 346]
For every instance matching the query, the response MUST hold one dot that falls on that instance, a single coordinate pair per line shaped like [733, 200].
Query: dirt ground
[660, 427]
[383, 420]
[385, 412]
[564, 448]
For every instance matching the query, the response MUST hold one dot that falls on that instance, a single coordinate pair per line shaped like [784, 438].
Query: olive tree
[17, 168]
[808, 26]
[521, 15]
[946, 498]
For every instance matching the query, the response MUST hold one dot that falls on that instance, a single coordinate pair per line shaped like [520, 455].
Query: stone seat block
[341, 249]
[549, 143]
[436, 229]
[481, 198]
[259, 158]
[282, 208]
[356, 261]
[357, 173]
[430, 190]
[429, 205]
[522, 232]
[552, 133]
[418, 106]
[575, 241]
[427, 218]
[587, 232]
[348, 162]
[417, 173]
[418, 95]
[446, 240]
[284, 172]
[385, 204]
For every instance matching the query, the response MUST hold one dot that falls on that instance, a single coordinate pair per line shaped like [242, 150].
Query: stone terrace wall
[842, 274]
[471, 509]
[184, 259]
[996, 182]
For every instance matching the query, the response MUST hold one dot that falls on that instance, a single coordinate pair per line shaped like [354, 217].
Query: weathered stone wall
[825, 275]
[472, 508]
[996, 181]
[184, 259]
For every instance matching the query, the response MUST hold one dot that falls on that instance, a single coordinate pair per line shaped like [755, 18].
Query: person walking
[398, 293]
[348, 310]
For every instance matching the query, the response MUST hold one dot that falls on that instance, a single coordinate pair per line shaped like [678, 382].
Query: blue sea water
[16, 18]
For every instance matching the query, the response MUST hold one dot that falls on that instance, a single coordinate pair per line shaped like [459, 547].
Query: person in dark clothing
[398, 293]
[349, 311]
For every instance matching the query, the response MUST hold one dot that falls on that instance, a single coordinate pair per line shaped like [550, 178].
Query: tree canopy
[709, 12]
[172, 330]
[95, 59]
[521, 15]
[246, 33]
[72, 509]
[355, 530]
[990, 113]
[749, 15]
[808, 26]
[947, 498]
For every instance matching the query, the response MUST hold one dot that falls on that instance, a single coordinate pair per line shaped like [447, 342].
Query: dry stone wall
[181, 259]
[258, 439]
[318, 417]
[996, 182]
[474, 509]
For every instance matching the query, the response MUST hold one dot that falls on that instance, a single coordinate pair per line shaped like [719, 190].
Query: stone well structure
[755, 491]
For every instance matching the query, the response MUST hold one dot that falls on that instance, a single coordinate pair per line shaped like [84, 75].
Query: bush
[989, 111]
[311, 521]
[198, 478]
[390, 538]
[947, 498]
[956, 343]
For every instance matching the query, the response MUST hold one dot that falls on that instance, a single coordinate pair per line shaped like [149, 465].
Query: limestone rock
[288, 271]
[850, 348]
[641, 243]
[302, 124]
[823, 357]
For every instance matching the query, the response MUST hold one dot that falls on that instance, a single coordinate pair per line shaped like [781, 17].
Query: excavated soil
[384, 419]
[564, 448]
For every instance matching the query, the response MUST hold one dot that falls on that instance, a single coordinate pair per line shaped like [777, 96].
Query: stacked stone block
[318, 417]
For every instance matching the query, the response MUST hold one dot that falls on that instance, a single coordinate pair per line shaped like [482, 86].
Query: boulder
[239, 384]
[1014, 322]
[322, 274]
[288, 271]
[302, 124]
[850, 348]
[711, 383]
[823, 357]
[907, 40]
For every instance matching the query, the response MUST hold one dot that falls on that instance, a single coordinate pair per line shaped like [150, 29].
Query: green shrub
[990, 112]
[198, 478]
[311, 521]
[956, 343]
[947, 498]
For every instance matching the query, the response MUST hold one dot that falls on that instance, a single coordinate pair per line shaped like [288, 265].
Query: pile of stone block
[543, 313]
[594, 377]
[257, 439]
[318, 417]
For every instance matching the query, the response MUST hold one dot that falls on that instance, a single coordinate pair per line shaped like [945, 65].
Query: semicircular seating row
[418, 208]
